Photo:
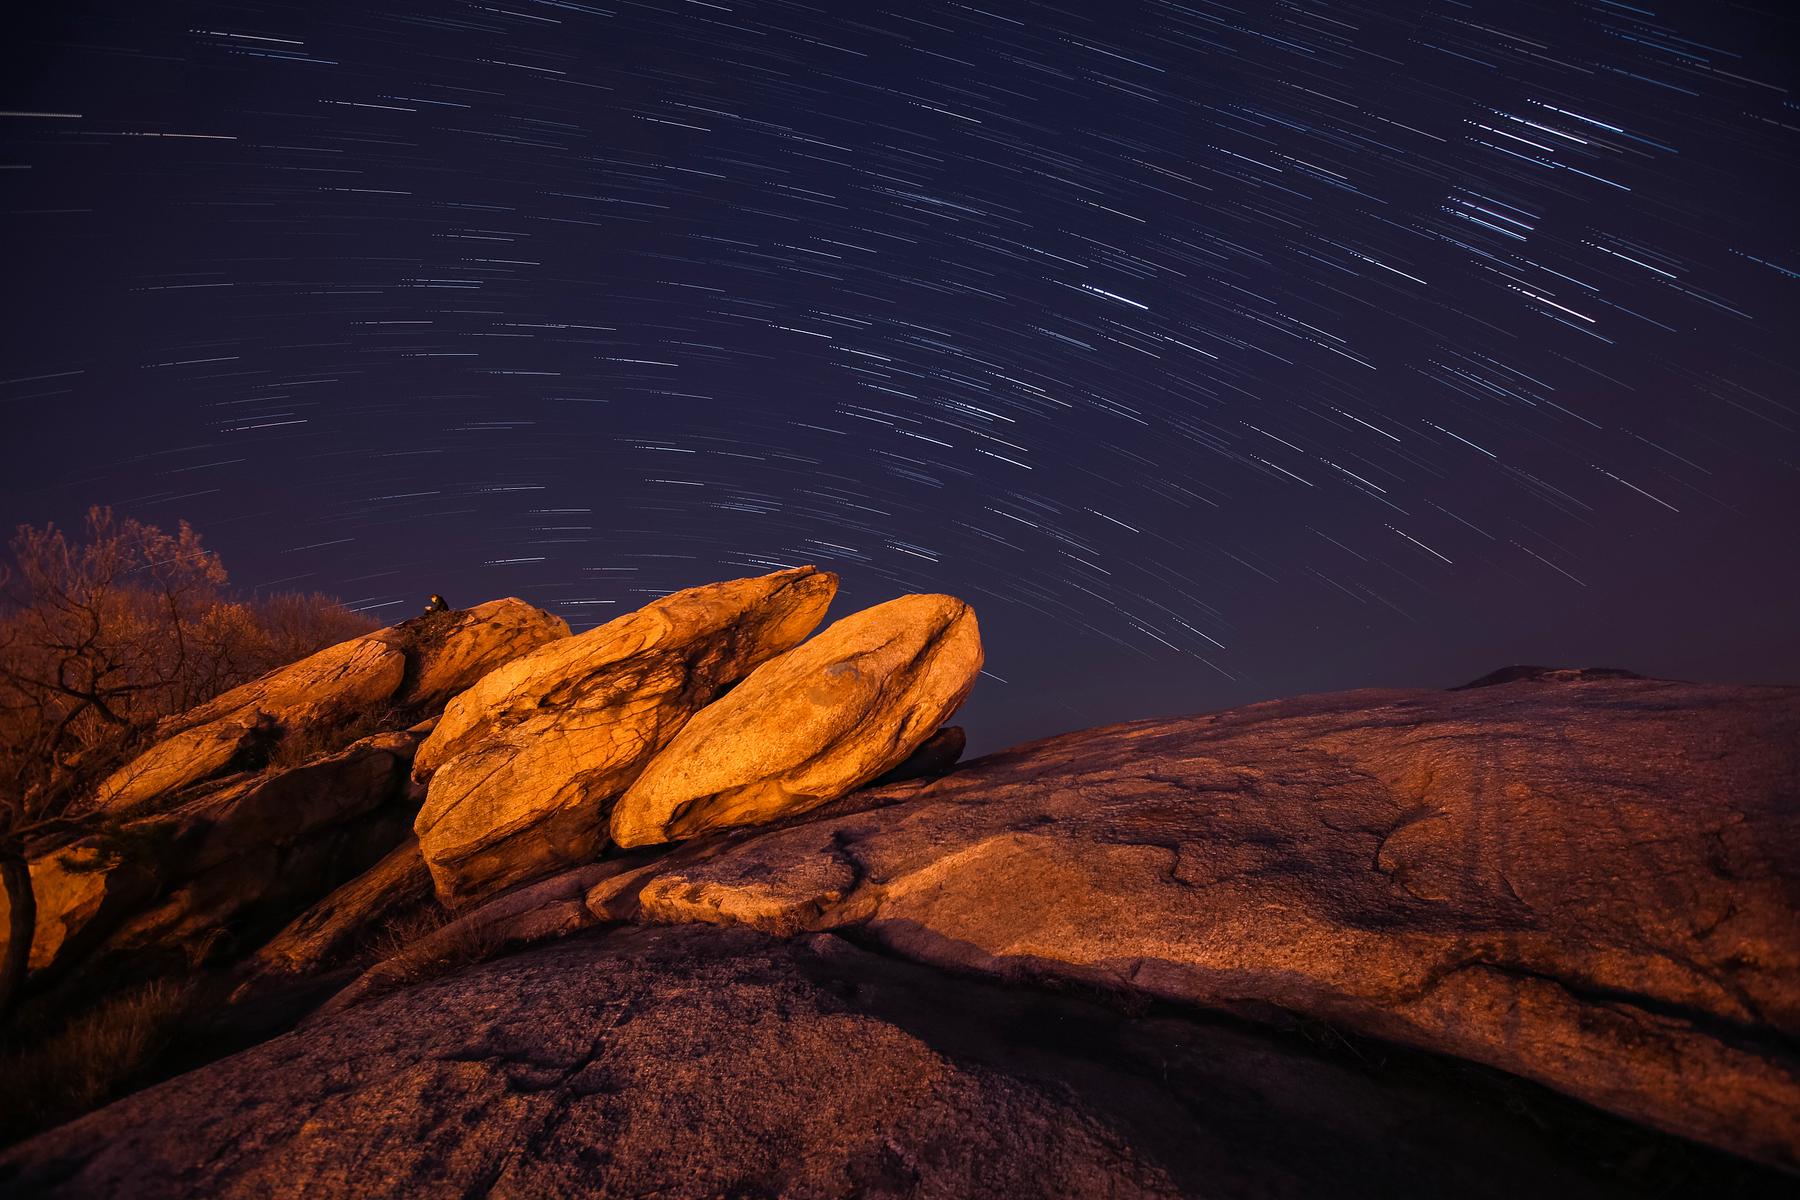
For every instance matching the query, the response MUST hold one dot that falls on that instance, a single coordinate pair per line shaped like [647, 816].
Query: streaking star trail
[1283, 346]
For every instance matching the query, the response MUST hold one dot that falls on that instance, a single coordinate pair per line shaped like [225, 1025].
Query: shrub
[101, 635]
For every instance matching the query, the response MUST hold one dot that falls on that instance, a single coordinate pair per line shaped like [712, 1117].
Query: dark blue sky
[1213, 352]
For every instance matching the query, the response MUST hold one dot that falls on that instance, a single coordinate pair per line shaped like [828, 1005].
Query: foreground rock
[697, 1063]
[1586, 883]
[525, 765]
[812, 725]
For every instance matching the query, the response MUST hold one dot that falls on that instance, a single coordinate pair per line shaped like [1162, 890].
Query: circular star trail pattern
[1212, 351]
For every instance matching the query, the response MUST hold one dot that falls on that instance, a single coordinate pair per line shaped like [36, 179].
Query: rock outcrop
[812, 725]
[419, 663]
[524, 766]
[691, 1063]
[1573, 880]
[329, 688]
[1588, 884]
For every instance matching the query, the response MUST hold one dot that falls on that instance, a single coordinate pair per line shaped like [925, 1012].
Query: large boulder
[691, 1063]
[524, 766]
[415, 666]
[1588, 883]
[812, 725]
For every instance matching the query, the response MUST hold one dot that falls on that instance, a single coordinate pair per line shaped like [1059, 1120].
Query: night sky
[1214, 352]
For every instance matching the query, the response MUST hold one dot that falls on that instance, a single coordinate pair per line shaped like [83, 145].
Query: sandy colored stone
[741, 890]
[340, 682]
[812, 725]
[418, 664]
[524, 766]
[1587, 882]
[450, 651]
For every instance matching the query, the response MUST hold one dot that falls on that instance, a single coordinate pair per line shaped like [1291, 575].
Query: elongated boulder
[324, 688]
[524, 766]
[415, 666]
[812, 725]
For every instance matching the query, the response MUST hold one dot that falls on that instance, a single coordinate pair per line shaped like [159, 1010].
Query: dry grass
[297, 747]
[402, 932]
[96, 1057]
[448, 950]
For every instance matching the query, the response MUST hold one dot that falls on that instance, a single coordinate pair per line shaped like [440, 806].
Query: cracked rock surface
[694, 1061]
[524, 766]
[1589, 883]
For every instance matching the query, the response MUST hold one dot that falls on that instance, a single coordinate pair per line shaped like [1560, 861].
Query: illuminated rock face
[523, 767]
[416, 665]
[812, 725]
[450, 651]
[337, 684]
[1585, 883]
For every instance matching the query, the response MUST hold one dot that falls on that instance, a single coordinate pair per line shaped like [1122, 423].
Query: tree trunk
[15, 954]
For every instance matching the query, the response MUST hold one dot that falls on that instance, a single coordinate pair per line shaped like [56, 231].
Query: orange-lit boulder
[325, 698]
[337, 684]
[449, 651]
[811, 725]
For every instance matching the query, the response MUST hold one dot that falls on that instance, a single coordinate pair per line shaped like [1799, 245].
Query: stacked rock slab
[337, 683]
[524, 766]
[419, 663]
[204, 842]
[812, 725]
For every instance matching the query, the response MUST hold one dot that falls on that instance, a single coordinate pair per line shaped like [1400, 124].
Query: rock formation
[420, 663]
[811, 725]
[1558, 883]
[1586, 884]
[524, 767]
[336, 684]
[204, 841]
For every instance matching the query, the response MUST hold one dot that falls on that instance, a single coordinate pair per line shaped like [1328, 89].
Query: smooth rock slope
[1589, 884]
[689, 1063]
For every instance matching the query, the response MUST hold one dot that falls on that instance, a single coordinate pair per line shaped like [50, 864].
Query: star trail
[1212, 351]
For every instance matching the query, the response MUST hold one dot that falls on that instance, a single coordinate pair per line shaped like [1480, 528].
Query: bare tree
[101, 636]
